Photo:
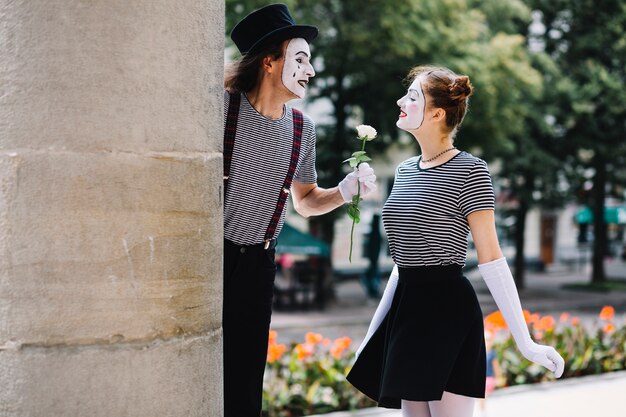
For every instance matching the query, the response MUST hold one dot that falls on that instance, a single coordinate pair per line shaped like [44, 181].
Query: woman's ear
[439, 114]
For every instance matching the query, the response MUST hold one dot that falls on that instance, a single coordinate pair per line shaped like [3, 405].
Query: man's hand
[363, 174]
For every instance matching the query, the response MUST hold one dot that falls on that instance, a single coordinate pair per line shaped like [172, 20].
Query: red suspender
[284, 191]
[230, 130]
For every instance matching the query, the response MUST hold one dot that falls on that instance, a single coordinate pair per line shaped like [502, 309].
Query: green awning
[612, 215]
[291, 240]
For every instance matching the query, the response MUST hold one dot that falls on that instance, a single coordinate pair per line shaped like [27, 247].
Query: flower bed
[309, 378]
[592, 349]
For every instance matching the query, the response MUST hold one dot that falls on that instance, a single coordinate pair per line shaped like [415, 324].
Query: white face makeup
[412, 107]
[297, 69]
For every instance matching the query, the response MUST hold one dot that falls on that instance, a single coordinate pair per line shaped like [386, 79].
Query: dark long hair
[242, 74]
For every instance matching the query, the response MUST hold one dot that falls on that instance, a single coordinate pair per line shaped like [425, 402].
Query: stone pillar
[110, 208]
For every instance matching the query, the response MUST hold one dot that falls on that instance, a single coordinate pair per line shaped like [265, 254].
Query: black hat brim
[308, 33]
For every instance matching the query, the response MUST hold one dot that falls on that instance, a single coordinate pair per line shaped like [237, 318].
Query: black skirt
[431, 341]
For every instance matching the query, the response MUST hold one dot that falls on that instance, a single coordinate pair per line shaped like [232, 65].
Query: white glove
[499, 280]
[363, 174]
[383, 308]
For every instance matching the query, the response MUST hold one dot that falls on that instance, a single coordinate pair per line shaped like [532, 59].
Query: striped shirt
[425, 216]
[260, 161]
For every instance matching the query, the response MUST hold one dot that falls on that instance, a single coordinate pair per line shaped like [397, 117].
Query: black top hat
[268, 24]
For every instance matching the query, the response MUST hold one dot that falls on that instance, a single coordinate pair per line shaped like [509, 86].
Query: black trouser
[249, 273]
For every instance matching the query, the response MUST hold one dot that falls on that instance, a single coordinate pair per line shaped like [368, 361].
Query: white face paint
[412, 107]
[297, 69]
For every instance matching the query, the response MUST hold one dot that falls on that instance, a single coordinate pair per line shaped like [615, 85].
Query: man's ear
[267, 64]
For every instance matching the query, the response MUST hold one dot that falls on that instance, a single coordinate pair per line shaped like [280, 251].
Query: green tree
[586, 39]
[529, 174]
[531, 171]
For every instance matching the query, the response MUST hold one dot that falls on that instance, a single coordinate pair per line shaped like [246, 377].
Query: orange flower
[272, 338]
[575, 321]
[344, 342]
[312, 338]
[340, 346]
[275, 352]
[336, 351]
[564, 317]
[609, 328]
[534, 318]
[326, 341]
[607, 313]
[495, 321]
[304, 350]
[546, 324]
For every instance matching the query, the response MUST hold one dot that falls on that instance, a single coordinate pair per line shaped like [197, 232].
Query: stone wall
[110, 208]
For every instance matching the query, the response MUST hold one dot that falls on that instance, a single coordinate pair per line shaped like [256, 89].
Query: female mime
[424, 351]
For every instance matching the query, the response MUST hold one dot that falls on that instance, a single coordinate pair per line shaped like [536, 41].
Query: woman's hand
[545, 356]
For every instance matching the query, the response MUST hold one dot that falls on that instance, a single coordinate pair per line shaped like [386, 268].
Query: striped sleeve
[477, 192]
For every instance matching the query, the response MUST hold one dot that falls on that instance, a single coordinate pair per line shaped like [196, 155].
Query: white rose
[366, 131]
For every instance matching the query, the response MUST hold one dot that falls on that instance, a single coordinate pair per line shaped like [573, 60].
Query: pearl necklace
[438, 155]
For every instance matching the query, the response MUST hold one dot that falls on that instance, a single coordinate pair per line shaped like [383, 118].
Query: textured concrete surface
[111, 125]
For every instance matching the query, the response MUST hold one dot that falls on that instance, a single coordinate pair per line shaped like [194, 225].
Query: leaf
[363, 158]
[354, 213]
[310, 393]
[353, 162]
[349, 160]
[358, 153]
